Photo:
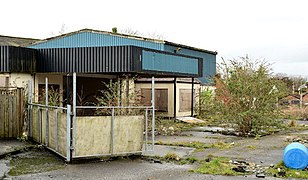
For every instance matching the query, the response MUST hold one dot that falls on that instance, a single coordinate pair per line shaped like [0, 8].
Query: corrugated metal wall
[4, 59]
[87, 59]
[117, 59]
[157, 61]
[209, 62]
[22, 59]
[92, 39]
[17, 59]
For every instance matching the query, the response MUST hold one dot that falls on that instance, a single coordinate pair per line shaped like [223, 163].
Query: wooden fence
[11, 112]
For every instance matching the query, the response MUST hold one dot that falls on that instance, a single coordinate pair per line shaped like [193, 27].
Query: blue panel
[155, 61]
[93, 39]
[209, 62]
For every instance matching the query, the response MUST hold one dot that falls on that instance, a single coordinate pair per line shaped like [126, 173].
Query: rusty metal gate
[11, 112]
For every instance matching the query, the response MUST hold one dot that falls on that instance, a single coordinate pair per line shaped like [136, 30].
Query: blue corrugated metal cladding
[95, 39]
[166, 62]
[92, 39]
[209, 62]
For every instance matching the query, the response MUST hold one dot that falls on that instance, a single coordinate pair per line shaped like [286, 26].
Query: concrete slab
[8, 146]
[190, 120]
[212, 129]
[161, 151]
[4, 168]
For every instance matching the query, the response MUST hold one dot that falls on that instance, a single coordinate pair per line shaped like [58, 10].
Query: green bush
[246, 96]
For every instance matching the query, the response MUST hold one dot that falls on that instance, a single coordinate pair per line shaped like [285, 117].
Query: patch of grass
[279, 170]
[194, 144]
[217, 166]
[222, 145]
[36, 162]
[171, 156]
[189, 160]
[251, 147]
[200, 146]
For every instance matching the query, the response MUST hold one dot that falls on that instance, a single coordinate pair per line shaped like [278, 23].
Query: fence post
[74, 110]
[112, 130]
[68, 134]
[146, 129]
[46, 104]
[153, 111]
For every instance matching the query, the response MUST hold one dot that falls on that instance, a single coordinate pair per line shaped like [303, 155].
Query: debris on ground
[190, 120]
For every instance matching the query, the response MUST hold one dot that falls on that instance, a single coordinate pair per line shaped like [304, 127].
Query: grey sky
[275, 30]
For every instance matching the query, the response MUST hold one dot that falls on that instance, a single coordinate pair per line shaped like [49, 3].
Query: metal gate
[11, 112]
[62, 131]
[51, 127]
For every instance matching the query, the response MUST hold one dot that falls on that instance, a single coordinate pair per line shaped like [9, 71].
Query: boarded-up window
[185, 100]
[161, 98]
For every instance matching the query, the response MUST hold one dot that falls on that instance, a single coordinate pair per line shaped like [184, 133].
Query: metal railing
[43, 134]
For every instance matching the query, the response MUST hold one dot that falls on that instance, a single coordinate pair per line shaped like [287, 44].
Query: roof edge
[122, 35]
[190, 47]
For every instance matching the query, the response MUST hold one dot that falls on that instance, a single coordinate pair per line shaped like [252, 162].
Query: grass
[222, 145]
[200, 146]
[189, 160]
[171, 156]
[218, 166]
[279, 170]
[37, 162]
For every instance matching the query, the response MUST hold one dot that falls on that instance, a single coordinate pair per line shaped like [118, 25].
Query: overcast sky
[275, 30]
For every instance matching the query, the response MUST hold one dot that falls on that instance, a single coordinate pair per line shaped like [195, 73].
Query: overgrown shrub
[246, 95]
[115, 96]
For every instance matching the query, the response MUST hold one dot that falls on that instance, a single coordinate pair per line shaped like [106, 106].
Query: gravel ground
[127, 169]
[263, 151]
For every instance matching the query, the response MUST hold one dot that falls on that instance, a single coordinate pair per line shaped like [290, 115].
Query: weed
[171, 156]
[217, 166]
[222, 145]
[189, 160]
[279, 170]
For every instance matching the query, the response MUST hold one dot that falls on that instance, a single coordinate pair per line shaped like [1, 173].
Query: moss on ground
[36, 161]
[217, 166]
[200, 146]
[279, 170]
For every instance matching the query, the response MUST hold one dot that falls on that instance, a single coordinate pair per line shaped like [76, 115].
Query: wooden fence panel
[11, 112]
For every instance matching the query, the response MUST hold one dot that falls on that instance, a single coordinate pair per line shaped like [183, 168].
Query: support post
[112, 131]
[153, 111]
[68, 89]
[192, 96]
[74, 110]
[30, 108]
[57, 130]
[68, 134]
[46, 104]
[146, 130]
[174, 98]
